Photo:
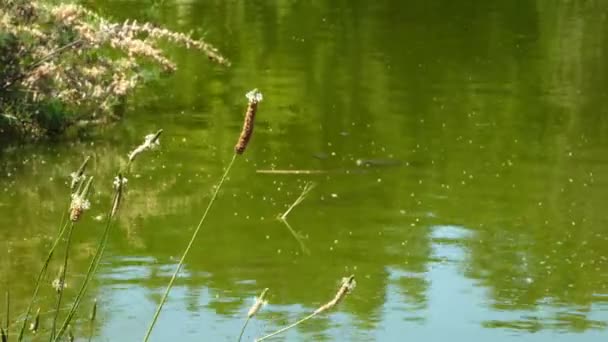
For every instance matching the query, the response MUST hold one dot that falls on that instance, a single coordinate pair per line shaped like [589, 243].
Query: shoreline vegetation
[64, 66]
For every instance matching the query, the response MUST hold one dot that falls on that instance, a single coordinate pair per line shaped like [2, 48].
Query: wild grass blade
[62, 274]
[28, 310]
[347, 286]
[260, 301]
[187, 250]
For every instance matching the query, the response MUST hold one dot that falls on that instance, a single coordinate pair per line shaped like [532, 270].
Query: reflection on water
[480, 217]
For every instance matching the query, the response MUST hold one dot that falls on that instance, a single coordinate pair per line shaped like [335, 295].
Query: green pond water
[484, 218]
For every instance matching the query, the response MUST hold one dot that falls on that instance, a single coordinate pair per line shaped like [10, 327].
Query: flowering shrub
[61, 64]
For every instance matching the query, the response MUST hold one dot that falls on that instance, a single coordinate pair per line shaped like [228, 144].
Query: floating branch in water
[254, 98]
[283, 218]
[292, 172]
[255, 308]
[299, 238]
[309, 186]
[348, 284]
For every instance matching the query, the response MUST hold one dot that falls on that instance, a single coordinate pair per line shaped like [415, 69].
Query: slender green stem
[99, 251]
[38, 281]
[288, 327]
[243, 329]
[183, 258]
[8, 310]
[90, 271]
[92, 320]
[64, 271]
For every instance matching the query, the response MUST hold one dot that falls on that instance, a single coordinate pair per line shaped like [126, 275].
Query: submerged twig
[292, 172]
[283, 218]
[347, 286]
[255, 308]
[309, 186]
[297, 236]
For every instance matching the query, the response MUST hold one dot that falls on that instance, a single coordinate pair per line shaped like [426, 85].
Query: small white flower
[118, 182]
[254, 96]
[76, 179]
[59, 285]
[78, 206]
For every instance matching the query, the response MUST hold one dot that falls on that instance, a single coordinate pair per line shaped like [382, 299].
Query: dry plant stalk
[348, 284]
[283, 218]
[309, 186]
[260, 301]
[151, 141]
[254, 98]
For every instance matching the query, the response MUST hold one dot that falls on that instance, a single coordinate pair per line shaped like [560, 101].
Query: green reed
[254, 97]
[77, 207]
[260, 301]
[347, 286]
[77, 178]
[150, 142]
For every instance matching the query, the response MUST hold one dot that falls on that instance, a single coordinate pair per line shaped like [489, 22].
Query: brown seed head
[254, 98]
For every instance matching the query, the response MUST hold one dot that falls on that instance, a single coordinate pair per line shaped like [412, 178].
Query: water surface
[481, 216]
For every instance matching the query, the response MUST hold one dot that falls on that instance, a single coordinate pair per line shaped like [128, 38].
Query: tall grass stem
[28, 310]
[64, 271]
[187, 250]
